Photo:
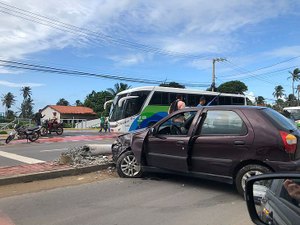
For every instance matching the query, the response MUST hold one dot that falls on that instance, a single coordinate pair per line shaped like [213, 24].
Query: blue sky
[250, 35]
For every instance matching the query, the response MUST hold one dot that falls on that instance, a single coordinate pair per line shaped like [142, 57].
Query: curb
[52, 174]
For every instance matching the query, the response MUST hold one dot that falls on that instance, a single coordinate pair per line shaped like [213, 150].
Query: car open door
[167, 146]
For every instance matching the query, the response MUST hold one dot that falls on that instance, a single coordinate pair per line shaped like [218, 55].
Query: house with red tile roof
[69, 114]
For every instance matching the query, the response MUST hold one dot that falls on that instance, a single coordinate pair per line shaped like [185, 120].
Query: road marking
[54, 150]
[20, 158]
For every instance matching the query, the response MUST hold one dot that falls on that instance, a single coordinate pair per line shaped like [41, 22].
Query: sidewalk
[43, 171]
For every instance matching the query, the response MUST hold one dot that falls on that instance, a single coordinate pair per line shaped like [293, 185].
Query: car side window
[221, 122]
[178, 124]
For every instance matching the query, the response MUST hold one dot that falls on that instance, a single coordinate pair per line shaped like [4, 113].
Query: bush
[3, 132]
[68, 125]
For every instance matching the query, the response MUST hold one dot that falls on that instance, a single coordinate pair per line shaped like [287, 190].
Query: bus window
[224, 100]
[159, 98]
[238, 101]
[192, 100]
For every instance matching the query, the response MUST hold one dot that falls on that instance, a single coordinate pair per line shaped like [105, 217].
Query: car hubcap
[129, 166]
[249, 174]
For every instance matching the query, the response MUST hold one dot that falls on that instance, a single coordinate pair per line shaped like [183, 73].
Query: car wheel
[127, 165]
[247, 172]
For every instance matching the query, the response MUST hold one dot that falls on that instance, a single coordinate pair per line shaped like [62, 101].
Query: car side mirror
[274, 199]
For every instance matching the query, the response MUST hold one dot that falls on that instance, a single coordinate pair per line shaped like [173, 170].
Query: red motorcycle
[51, 126]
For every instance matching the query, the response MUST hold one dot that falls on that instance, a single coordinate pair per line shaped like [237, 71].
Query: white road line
[54, 150]
[20, 158]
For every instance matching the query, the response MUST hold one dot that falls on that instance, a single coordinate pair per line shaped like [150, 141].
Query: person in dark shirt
[37, 117]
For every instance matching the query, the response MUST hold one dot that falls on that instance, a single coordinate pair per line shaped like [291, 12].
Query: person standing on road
[201, 102]
[102, 121]
[177, 104]
[37, 117]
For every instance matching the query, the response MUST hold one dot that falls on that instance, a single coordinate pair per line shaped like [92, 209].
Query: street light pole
[213, 83]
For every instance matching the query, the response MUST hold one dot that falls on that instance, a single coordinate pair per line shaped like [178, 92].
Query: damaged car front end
[127, 153]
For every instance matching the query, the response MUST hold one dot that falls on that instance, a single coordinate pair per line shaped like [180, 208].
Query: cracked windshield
[145, 112]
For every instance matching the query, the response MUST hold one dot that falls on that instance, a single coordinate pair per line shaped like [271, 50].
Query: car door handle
[239, 142]
[180, 143]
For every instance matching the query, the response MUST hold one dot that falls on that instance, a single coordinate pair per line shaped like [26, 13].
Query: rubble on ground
[81, 156]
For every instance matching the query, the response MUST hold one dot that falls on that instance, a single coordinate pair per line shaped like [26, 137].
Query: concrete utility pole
[213, 83]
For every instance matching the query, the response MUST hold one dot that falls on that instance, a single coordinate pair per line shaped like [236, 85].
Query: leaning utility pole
[213, 83]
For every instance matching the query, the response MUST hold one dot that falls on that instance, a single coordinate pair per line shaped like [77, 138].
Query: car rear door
[167, 148]
[223, 138]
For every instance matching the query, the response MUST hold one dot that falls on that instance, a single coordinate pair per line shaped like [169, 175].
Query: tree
[260, 100]
[233, 87]
[291, 100]
[27, 104]
[279, 92]
[118, 87]
[295, 75]
[27, 108]
[8, 100]
[78, 103]
[26, 92]
[63, 101]
[96, 100]
[172, 84]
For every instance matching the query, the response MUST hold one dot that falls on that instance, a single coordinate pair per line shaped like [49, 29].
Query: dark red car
[222, 143]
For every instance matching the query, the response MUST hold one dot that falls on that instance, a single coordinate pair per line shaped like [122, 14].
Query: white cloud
[128, 60]
[286, 51]
[18, 85]
[198, 27]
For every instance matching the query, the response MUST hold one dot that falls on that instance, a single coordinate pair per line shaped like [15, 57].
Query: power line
[50, 69]
[243, 70]
[54, 23]
[270, 66]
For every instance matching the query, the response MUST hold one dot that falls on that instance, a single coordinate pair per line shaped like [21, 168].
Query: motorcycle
[22, 132]
[50, 126]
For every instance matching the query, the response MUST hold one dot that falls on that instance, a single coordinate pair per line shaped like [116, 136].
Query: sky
[156, 40]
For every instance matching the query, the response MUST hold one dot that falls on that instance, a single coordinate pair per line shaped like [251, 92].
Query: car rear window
[280, 121]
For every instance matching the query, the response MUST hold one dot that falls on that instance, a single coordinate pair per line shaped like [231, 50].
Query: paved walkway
[30, 168]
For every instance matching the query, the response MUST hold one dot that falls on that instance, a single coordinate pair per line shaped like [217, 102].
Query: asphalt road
[170, 200]
[47, 151]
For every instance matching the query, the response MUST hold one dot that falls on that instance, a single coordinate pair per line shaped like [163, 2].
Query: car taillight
[289, 141]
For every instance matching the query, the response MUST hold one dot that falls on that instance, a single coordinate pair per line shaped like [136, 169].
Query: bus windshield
[130, 107]
[294, 113]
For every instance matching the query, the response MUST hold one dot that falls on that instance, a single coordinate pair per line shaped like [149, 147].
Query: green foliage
[233, 87]
[260, 100]
[3, 132]
[279, 92]
[96, 100]
[118, 87]
[78, 103]
[172, 84]
[63, 101]
[68, 125]
[27, 104]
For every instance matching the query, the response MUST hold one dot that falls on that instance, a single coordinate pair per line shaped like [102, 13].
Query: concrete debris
[81, 156]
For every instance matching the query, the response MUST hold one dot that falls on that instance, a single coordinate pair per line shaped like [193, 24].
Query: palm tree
[279, 92]
[8, 100]
[26, 92]
[260, 100]
[295, 76]
[118, 87]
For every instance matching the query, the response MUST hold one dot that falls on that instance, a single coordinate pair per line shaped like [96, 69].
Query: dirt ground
[35, 186]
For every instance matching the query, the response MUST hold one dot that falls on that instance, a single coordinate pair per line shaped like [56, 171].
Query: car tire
[127, 166]
[246, 172]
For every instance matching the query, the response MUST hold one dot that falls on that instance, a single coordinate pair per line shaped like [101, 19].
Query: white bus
[293, 114]
[141, 107]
